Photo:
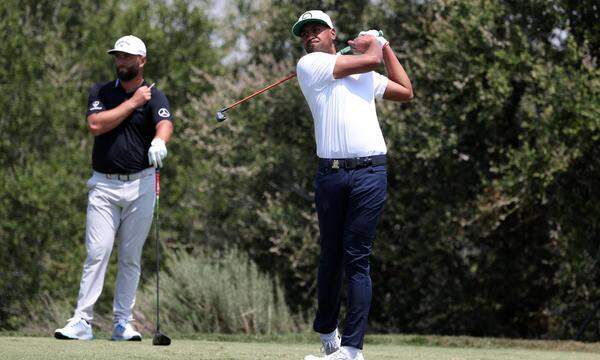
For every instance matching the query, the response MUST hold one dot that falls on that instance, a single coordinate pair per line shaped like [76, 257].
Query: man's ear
[333, 37]
[142, 61]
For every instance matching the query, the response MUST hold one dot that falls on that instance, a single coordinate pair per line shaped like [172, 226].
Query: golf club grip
[345, 50]
[348, 49]
[292, 75]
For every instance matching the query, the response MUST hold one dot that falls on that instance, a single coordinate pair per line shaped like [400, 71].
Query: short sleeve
[159, 106]
[380, 83]
[315, 70]
[95, 103]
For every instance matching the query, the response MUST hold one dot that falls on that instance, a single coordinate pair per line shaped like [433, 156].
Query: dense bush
[223, 292]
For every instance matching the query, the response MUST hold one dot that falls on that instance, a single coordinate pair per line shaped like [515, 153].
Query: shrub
[222, 292]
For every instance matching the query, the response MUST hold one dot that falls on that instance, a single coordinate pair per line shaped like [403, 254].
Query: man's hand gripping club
[361, 45]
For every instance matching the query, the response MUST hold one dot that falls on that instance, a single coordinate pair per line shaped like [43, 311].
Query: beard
[311, 48]
[318, 46]
[127, 73]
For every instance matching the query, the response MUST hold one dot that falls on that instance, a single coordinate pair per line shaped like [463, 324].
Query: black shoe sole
[134, 338]
[62, 337]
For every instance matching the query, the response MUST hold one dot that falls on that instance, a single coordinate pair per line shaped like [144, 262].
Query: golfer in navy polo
[351, 179]
[131, 124]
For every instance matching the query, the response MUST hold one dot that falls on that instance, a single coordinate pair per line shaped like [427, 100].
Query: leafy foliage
[474, 239]
[490, 228]
[53, 53]
[222, 293]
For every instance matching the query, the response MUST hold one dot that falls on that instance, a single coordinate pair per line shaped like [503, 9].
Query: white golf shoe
[332, 344]
[123, 331]
[76, 329]
[338, 355]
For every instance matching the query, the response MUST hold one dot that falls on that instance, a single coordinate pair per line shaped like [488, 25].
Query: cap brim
[114, 51]
[300, 24]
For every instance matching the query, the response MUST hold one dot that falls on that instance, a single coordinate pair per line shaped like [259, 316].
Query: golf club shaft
[156, 227]
[344, 51]
[290, 76]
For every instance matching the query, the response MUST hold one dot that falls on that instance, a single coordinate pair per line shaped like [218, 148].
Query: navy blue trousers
[349, 204]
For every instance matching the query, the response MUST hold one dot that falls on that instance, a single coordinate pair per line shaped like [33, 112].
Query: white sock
[329, 337]
[350, 351]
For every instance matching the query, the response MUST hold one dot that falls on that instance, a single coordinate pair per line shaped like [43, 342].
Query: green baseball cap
[311, 16]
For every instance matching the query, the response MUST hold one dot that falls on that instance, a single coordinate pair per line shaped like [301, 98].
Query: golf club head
[221, 115]
[161, 339]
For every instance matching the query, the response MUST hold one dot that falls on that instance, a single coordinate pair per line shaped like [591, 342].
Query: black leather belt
[124, 177]
[127, 177]
[353, 163]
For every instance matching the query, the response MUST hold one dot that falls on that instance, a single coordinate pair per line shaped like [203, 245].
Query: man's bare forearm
[356, 64]
[164, 130]
[394, 69]
[105, 121]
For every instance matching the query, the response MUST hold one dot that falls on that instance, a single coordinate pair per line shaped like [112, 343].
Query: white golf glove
[380, 39]
[157, 152]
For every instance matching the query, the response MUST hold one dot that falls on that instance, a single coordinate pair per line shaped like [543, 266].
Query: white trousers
[115, 208]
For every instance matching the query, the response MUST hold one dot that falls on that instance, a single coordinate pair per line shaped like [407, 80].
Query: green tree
[491, 222]
[474, 239]
[52, 54]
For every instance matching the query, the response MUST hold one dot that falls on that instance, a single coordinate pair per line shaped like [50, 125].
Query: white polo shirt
[343, 110]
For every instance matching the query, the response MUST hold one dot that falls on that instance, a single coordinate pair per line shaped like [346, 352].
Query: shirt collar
[118, 83]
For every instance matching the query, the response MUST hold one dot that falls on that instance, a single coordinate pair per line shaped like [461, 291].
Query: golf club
[221, 113]
[159, 338]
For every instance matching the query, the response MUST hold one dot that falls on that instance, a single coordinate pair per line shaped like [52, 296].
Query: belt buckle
[336, 164]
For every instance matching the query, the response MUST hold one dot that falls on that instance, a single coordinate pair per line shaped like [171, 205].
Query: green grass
[380, 347]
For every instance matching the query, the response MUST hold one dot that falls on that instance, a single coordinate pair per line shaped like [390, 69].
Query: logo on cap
[306, 15]
[163, 112]
[122, 43]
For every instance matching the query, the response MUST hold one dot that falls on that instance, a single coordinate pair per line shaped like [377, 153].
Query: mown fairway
[49, 348]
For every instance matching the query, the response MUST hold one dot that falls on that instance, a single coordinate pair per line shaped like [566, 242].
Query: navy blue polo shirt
[124, 149]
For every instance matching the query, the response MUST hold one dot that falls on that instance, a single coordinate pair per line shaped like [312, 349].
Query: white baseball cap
[311, 16]
[129, 44]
